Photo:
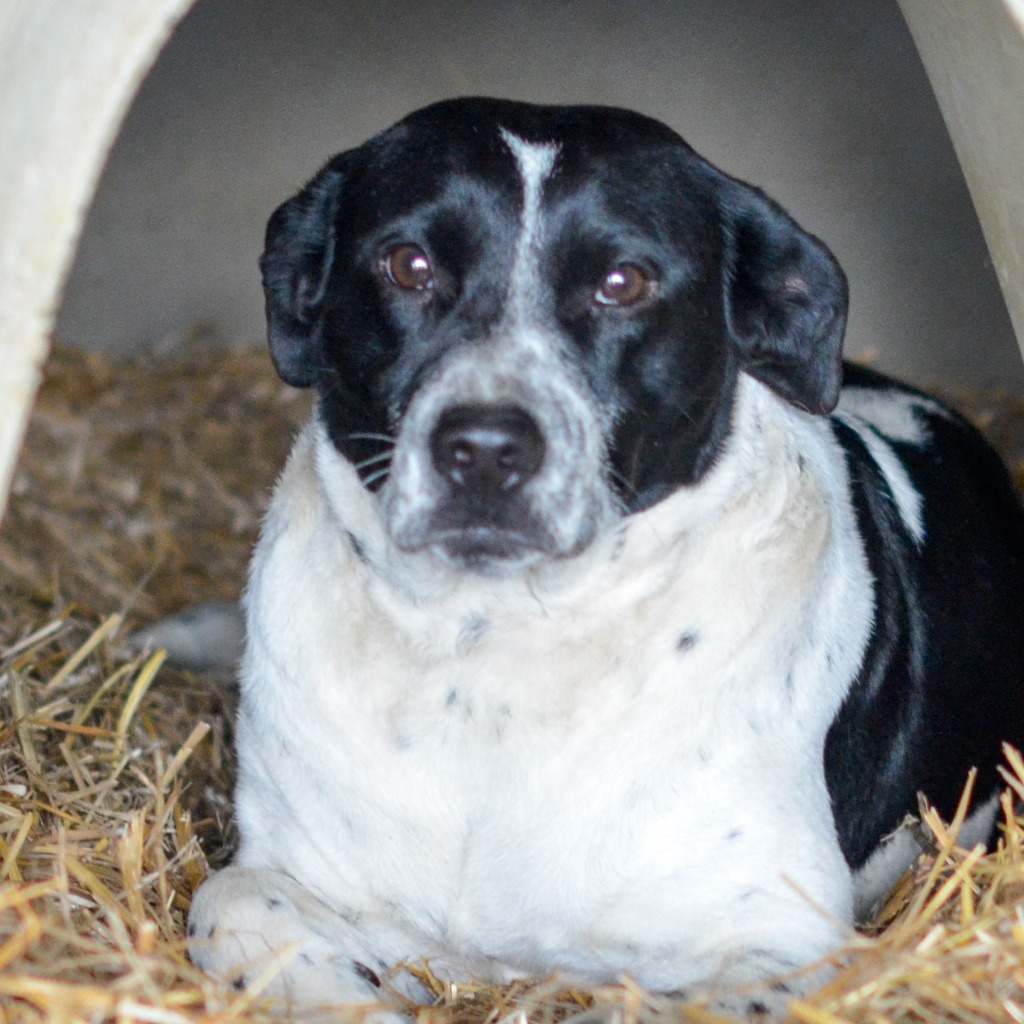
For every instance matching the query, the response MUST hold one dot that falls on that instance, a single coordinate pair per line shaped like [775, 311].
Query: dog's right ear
[296, 263]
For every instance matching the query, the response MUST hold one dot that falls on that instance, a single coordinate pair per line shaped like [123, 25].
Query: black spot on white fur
[620, 543]
[364, 972]
[687, 641]
[357, 546]
[473, 631]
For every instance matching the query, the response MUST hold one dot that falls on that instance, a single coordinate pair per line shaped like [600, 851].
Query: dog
[603, 622]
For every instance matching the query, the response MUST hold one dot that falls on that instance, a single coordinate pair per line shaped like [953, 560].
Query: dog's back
[942, 677]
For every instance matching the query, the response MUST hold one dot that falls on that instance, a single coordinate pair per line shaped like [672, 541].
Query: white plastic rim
[973, 51]
[69, 70]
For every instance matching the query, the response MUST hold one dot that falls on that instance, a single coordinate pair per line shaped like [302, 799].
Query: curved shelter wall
[68, 72]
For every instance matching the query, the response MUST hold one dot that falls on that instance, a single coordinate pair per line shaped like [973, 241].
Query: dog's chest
[533, 806]
[555, 762]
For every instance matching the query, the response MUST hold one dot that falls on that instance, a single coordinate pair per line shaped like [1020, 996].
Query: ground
[139, 493]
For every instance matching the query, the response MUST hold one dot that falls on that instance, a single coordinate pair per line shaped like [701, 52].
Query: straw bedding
[139, 492]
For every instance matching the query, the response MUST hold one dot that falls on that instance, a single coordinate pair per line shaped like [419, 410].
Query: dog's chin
[485, 551]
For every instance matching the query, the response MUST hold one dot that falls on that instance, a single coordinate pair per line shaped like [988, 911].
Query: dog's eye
[623, 285]
[408, 266]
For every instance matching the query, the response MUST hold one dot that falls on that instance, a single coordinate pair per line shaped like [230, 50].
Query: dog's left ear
[296, 263]
[786, 301]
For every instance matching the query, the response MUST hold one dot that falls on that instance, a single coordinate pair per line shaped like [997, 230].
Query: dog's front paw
[758, 985]
[250, 926]
[767, 1002]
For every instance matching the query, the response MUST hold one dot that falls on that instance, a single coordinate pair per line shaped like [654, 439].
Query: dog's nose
[487, 450]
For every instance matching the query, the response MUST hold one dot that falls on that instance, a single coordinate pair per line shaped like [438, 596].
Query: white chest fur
[608, 764]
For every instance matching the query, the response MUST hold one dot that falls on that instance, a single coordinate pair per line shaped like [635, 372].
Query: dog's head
[523, 321]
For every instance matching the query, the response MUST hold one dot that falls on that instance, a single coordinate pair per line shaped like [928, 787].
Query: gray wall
[821, 102]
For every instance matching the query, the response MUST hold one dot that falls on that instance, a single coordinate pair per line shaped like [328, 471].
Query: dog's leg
[245, 921]
[760, 984]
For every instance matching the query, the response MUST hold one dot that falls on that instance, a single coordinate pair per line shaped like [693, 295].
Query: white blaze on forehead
[534, 161]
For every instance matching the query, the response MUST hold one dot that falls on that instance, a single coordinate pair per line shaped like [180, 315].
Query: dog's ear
[296, 263]
[786, 301]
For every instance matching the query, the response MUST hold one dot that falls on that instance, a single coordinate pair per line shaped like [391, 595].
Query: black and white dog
[587, 632]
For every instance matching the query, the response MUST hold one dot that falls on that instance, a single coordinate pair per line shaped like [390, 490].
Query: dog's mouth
[485, 549]
[493, 537]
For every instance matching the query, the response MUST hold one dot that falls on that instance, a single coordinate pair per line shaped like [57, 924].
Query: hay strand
[116, 770]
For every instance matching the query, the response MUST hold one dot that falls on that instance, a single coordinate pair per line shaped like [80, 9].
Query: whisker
[624, 481]
[626, 495]
[371, 437]
[627, 485]
[382, 457]
[374, 477]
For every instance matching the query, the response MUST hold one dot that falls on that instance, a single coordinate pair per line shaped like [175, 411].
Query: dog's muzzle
[498, 463]
[483, 457]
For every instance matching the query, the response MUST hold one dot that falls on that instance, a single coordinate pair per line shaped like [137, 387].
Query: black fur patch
[364, 972]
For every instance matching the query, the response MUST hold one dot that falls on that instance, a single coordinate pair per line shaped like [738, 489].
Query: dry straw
[116, 771]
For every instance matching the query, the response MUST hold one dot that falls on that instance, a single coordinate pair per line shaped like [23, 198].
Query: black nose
[487, 449]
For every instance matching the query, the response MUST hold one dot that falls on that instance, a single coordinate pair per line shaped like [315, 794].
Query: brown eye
[623, 285]
[408, 266]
